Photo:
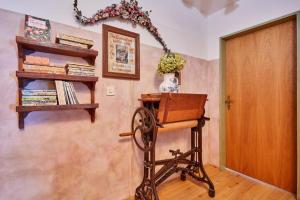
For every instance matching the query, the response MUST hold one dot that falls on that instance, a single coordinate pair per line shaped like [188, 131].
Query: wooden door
[261, 121]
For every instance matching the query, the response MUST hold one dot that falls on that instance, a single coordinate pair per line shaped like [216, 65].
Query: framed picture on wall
[121, 53]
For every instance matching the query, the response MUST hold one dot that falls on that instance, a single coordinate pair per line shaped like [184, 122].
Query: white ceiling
[208, 7]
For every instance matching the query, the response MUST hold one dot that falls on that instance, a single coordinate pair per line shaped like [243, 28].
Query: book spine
[39, 104]
[44, 71]
[74, 93]
[81, 70]
[60, 92]
[66, 93]
[81, 74]
[79, 65]
[75, 44]
[39, 98]
[43, 67]
[70, 93]
[75, 39]
[35, 60]
[39, 93]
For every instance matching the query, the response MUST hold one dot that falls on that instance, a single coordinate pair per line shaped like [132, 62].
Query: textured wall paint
[177, 20]
[244, 14]
[214, 111]
[184, 28]
[61, 155]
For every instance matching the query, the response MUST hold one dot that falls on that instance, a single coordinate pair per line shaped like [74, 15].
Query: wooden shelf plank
[22, 109]
[54, 48]
[44, 76]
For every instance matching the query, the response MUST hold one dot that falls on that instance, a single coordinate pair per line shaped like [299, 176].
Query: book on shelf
[36, 60]
[39, 103]
[78, 65]
[39, 97]
[80, 69]
[39, 92]
[62, 36]
[81, 74]
[66, 93]
[44, 71]
[37, 28]
[54, 69]
[71, 96]
[49, 67]
[73, 92]
[74, 44]
[60, 92]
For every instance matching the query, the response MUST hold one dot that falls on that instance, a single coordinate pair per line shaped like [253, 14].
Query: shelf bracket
[22, 116]
[92, 114]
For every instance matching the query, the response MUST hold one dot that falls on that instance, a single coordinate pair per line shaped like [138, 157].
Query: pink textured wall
[214, 112]
[61, 155]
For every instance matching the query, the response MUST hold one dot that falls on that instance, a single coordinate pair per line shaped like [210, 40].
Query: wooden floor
[228, 186]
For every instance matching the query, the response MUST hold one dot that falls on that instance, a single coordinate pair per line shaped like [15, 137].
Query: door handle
[228, 102]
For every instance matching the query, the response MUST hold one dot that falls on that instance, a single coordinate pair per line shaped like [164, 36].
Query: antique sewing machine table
[167, 112]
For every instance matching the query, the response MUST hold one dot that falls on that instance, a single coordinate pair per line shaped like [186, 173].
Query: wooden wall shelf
[25, 77]
[54, 48]
[23, 111]
[57, 107]
[43, 76]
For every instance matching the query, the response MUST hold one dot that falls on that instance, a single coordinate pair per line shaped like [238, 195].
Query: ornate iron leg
[144, 122]
[147, 189]
[196, 168]
[189, 167]
[204, 178]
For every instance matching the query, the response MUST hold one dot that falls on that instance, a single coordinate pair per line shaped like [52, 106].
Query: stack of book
[80, 69]
[39, 97]
[66, 93]
[42, 65]
[74, 41]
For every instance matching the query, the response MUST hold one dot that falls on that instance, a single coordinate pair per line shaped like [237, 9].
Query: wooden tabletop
[153, 97]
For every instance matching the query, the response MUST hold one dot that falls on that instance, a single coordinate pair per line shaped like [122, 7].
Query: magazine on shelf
[37, 28]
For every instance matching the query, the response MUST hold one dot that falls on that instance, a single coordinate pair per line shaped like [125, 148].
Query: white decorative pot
[170, 83]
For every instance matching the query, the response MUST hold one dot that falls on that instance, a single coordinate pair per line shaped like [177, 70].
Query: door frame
[222, 128]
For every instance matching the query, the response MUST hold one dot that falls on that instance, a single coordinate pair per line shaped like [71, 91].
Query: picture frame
[121, 53]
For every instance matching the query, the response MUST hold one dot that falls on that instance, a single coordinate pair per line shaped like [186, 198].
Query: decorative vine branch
[128, 10]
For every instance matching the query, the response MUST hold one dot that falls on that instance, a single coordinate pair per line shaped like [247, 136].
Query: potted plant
[169, 64]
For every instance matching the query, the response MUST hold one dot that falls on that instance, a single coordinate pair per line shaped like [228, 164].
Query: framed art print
[121, 53]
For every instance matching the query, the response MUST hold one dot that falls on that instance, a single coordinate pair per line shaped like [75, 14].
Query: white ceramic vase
[170, 83]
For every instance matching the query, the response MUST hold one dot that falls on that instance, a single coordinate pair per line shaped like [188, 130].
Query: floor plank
[229, 186]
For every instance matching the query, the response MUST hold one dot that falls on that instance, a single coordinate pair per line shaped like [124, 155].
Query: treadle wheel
[144, 122]
[211, 193]
[183, 177]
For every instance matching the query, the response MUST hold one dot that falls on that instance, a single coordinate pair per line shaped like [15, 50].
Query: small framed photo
[121, 53]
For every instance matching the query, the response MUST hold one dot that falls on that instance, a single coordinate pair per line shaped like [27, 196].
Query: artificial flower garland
[128, 10]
